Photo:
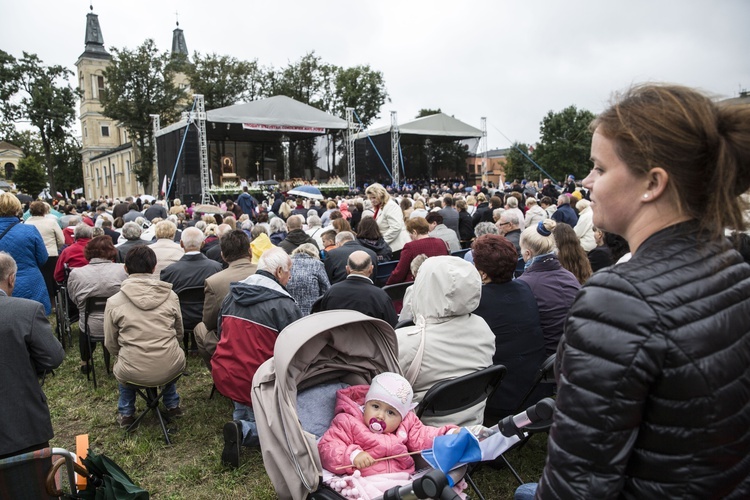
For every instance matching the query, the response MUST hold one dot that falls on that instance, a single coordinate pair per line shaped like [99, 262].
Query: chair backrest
[94, 305]
[403, 323]
[191, 301]
[384, 271]
[397, 291]
[452, 396]
[537, 392]
[460, 253]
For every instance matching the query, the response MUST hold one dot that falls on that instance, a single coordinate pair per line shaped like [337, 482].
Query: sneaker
[232, 441]
[125, 421]
[175, 412]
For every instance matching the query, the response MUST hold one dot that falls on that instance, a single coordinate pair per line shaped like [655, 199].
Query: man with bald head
[358, 292]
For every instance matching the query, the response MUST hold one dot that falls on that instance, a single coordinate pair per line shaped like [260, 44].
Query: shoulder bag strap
[8, 229]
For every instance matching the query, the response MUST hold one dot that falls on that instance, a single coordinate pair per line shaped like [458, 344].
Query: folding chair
[384, 272]
[455, 395]
[396, 294]
[542, 387]
[94, 305]
[190, 298]
[66, 312]
[460, 253]
[152, 396]
[406, 322]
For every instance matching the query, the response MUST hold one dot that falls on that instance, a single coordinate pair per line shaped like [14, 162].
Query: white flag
[164, 186]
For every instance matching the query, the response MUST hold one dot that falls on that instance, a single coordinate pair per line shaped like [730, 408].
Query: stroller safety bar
[435, 484]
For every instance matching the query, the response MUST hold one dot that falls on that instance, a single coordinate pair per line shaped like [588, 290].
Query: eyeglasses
[503, 223]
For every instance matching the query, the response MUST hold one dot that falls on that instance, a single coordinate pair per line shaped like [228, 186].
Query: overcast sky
[511, 61]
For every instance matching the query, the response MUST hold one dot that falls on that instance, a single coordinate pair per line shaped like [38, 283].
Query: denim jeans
[126, 403]
[526, 491]
[244, 414]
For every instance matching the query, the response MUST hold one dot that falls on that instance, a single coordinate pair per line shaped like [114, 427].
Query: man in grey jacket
[29, 350]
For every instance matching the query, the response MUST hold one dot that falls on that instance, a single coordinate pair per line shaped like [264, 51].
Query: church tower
[99, 134]
[179, 50]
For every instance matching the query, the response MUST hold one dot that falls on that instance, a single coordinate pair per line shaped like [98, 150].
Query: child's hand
[363, 460]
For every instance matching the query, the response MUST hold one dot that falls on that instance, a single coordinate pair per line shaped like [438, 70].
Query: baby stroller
[316, 351]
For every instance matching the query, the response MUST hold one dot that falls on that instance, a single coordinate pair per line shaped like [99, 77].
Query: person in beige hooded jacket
[143, 328]
[455, 341]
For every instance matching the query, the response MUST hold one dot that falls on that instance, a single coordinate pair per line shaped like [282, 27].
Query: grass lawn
[191, 467]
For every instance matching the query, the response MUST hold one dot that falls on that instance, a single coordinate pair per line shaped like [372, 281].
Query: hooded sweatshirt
[143, 328]
[456, 342]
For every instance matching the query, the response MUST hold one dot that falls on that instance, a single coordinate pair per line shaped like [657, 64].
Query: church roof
[179, 47]
[94, 39]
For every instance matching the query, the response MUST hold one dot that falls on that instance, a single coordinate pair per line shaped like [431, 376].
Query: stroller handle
[512, 424]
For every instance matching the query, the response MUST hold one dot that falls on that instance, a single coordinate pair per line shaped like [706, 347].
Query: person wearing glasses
[509, 226]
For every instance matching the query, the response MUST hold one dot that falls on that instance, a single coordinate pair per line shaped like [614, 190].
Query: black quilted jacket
[654, 377]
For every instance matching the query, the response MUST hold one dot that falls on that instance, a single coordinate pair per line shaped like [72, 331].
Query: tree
[40, 94]
[30, 177]
[566, 143]
[68, 165]
[9, 85]
[140, 84]
[517, 166]
[224, 80]
[360, 88]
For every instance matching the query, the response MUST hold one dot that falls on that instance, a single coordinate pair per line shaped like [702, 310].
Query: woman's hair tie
[542, 230]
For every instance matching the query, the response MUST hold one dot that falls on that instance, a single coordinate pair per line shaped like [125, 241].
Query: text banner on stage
[283, 128]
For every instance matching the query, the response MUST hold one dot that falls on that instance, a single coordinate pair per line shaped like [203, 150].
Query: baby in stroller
[375, 432]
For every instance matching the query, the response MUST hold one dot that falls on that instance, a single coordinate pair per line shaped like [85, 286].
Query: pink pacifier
[377, 425]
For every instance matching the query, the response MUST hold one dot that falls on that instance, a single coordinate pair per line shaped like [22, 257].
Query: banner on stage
[283, 128]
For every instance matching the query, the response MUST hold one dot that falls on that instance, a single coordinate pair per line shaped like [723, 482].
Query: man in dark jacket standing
[256, 310]
[247, 203]
[29, 350]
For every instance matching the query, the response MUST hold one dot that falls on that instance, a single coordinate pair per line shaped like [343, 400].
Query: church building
[108, 153]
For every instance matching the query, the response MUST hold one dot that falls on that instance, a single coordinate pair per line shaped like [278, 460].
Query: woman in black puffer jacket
[654, 367]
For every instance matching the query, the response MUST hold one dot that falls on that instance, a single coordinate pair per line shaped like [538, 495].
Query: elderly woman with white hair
[166, 249]
[534, 213]
[278, 230]
[131, 231]
[585, 227]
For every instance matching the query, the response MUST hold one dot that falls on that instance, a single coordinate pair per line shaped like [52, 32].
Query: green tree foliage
[565, 143]
[517, 166]
[30, 177]
[140, 83]
[361, 88]
[68, 163]
[40, 94]
[224, 80]
[9, 84]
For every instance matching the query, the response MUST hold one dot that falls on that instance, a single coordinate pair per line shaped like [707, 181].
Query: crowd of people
[626, 276]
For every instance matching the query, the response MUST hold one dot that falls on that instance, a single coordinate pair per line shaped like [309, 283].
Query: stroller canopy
[339, 345]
